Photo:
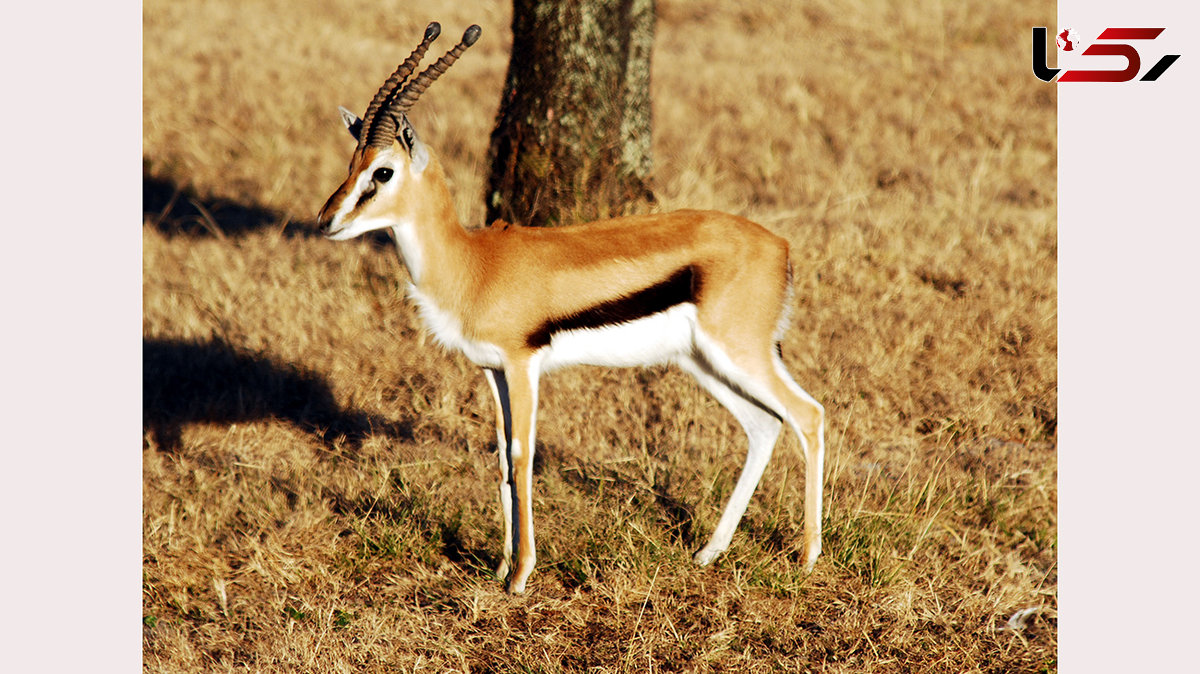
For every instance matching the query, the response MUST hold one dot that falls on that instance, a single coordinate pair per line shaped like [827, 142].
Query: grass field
[319, 478]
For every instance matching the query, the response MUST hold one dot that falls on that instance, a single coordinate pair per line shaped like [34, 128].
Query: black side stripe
[680, 287]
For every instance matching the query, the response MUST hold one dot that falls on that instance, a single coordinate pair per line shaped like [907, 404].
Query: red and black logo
[1067, 42]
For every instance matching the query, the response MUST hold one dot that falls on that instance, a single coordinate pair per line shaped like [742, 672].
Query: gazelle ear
[352, 122]
[416, 149]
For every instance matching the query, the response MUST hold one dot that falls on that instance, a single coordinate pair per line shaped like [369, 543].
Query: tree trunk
[572, 137]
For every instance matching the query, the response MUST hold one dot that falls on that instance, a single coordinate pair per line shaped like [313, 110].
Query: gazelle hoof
[810, 559]
[705, 556]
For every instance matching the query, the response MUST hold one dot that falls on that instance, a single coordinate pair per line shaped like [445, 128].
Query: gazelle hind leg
[807, 418]
[761, 381]
[762, 428]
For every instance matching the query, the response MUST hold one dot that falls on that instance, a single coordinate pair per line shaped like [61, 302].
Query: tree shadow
[212, 381]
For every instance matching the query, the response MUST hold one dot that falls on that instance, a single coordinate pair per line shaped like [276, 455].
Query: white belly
[652, 340]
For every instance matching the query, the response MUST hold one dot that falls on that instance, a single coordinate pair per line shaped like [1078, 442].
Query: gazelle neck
[429, 238]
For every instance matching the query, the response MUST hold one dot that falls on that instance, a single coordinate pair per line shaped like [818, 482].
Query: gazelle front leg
[516, 393]
[499, 385]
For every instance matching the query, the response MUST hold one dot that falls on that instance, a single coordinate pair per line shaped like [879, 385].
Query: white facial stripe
[344, 224]
[384, 160]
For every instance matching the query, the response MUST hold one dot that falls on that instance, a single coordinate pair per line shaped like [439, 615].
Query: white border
[70, 485]
[1129, 335]
[1128, 346]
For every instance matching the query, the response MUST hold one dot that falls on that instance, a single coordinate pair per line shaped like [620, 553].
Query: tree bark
[572, 137]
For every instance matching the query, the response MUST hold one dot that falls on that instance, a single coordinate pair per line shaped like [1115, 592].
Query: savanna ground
[319, 478]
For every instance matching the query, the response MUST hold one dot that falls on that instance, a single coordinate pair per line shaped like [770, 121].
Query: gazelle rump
[706, 291]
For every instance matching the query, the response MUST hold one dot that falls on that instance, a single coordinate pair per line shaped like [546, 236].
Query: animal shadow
[212, 381]
[177, 210]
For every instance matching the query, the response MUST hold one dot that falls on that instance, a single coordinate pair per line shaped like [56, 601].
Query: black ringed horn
[413, 90]
[369, 135]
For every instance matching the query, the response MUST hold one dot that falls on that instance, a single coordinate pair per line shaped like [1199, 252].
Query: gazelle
[706, 291]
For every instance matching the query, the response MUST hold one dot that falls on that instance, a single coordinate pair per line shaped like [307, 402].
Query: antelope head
[390, 160]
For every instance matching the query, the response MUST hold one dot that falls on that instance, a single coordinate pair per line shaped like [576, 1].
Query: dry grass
[319, 480]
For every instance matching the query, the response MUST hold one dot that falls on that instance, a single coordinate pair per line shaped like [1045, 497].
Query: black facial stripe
[362, 198]
[682, 286]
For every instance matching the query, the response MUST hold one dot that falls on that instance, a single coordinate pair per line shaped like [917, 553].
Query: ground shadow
[595, 478]
[177, 210]
[212, 381]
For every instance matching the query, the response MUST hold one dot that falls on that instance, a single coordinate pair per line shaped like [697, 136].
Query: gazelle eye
[382, 175]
